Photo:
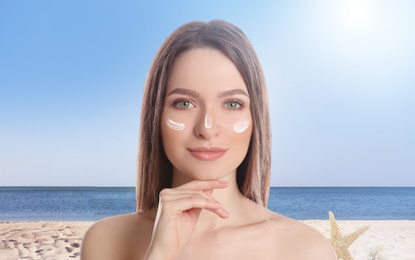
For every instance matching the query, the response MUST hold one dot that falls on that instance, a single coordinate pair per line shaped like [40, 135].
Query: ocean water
[93, 203]
[347, 203]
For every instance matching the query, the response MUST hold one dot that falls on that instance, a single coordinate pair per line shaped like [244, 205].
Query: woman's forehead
[205, 70]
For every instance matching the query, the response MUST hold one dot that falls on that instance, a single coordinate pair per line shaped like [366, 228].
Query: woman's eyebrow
[233, 92]
[191, 93]
[184, 91]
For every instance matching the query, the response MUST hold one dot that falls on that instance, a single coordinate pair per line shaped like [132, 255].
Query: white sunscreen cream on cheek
[208, 121]
[241, 126]
[175, 126]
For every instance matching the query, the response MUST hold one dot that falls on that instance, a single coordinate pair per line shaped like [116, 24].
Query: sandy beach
[62, 240]
[397, 237]
[41, 239]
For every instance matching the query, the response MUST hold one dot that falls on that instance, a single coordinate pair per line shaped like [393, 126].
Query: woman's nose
[206, 127]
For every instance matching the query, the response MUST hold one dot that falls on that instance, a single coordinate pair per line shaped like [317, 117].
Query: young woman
[204, 161]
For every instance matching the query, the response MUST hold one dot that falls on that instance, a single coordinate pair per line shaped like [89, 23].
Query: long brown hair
[154, 171]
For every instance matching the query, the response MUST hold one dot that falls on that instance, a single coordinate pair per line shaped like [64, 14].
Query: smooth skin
[204, 215]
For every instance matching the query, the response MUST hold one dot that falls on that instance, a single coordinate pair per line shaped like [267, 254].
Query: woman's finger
[204, 185]
[206, 193]
[176, 196]
[185, 203]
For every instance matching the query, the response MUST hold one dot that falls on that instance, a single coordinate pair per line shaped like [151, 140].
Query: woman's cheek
[242, 126]
[241, 131]
[175, 132]
[172, 131]
[175, 125]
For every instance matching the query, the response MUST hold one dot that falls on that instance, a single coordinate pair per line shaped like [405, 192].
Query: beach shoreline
[62, 239]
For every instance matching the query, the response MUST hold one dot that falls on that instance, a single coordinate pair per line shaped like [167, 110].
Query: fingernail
[225, 213]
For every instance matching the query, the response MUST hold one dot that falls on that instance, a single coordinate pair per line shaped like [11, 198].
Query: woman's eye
[232, 105]
[184, 104]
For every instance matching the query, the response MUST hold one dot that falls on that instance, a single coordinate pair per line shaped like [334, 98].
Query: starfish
[341, 243]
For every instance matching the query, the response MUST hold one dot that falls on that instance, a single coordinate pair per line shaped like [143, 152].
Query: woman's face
[206, 123]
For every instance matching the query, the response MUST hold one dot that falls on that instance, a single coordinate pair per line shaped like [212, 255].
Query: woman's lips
[207, 154]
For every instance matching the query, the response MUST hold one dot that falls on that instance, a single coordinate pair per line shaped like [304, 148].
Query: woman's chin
[205, 173]
[210, 175]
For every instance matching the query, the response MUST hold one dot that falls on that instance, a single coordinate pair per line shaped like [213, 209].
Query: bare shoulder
[300, 240]
[119, 237]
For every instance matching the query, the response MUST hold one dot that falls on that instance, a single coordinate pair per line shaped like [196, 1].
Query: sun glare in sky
[357, 15]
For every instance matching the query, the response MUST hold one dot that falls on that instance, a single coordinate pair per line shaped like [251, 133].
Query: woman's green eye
[184, 104]
[232, 105]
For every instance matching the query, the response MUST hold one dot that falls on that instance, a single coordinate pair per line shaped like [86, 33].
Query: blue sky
[340, 77]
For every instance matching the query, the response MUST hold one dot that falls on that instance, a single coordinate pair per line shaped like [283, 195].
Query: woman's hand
[177, 215]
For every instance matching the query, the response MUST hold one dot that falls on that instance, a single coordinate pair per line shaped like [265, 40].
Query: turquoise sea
[93, 203]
